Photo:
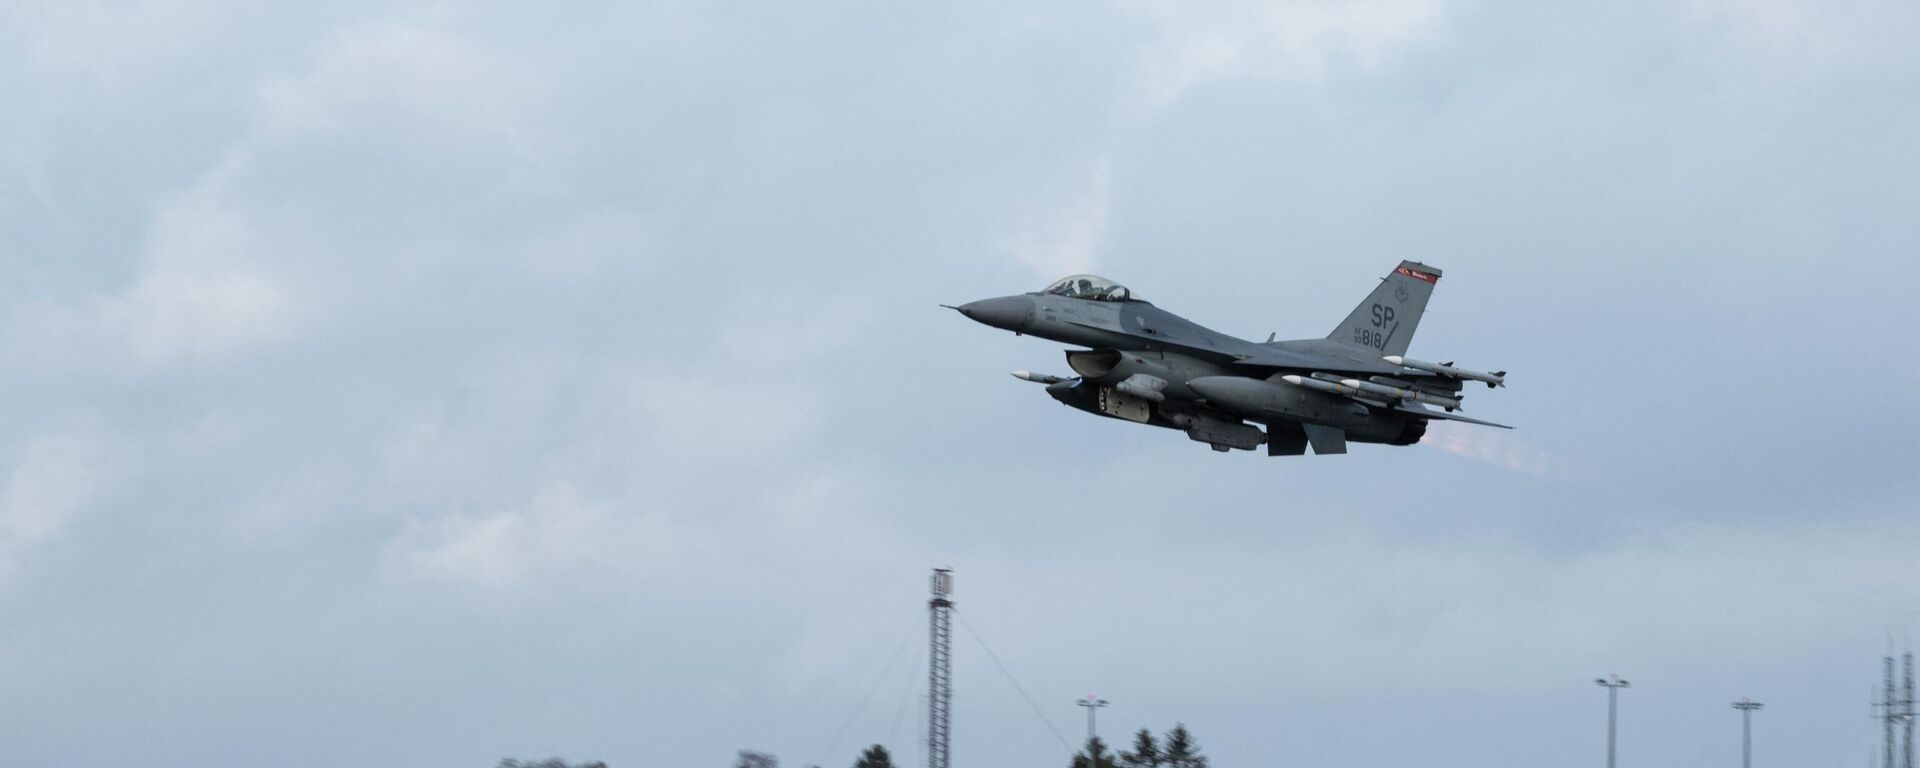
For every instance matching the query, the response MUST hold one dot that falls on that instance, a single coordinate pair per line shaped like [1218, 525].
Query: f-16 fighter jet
[1150, 366]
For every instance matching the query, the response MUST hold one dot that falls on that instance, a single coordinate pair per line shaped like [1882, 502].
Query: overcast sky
[428, 383]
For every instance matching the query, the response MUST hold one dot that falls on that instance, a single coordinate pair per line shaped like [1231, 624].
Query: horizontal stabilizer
[1423, 413]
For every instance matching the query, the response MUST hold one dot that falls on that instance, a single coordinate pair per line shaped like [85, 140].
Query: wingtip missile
[1495, 379]
[1369, 391]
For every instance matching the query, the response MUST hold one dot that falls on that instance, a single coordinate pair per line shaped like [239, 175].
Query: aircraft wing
[1275, 357]
[1423, 413]
[1301, 357]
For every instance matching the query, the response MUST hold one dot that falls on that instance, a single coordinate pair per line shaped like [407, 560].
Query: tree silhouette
[1145, 754]
[875, 757]
[1101, 757]
[1182, 751]
[752, 759]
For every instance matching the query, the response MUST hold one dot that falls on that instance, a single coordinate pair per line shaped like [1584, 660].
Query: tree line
[1177, 749]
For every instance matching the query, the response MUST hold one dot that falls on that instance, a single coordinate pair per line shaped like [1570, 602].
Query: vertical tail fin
[1384, 323]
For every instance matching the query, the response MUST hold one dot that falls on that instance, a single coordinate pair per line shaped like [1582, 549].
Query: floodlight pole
[1746, 707]
[1613, 684]
[1093, 705]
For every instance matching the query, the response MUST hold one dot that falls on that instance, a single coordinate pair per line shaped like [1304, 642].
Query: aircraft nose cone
[1012, 313]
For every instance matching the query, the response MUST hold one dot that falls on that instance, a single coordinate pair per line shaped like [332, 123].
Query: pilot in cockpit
[1088, 287]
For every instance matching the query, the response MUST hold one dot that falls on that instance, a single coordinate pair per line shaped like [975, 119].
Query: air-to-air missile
[1358, 388]
[1037, 378]
[1495, 379]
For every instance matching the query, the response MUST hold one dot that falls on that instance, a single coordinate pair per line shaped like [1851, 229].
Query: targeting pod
[1495, 379]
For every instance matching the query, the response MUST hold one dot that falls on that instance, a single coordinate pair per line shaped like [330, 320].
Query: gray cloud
[425, 384]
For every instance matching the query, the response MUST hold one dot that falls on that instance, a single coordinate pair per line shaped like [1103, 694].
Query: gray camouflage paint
[1151, 366]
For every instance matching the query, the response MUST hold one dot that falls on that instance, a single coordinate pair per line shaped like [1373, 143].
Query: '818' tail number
[1375, 337]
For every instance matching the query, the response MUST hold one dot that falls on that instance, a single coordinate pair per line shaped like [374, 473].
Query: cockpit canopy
[1091, 287]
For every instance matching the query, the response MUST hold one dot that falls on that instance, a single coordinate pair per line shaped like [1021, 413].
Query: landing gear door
[1123, 406]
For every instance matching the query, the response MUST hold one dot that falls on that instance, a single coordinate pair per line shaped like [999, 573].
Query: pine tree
[1101, 757]
[752, 759]
[875, 757]
[1182, 751]
[1145, 754]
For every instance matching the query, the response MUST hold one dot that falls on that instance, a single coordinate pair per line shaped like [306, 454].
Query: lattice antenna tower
[1906, 711]
[1897, 713]
[940, 669]
[1889, 713]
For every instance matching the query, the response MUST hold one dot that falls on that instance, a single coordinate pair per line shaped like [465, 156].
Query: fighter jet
[1149, 366]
